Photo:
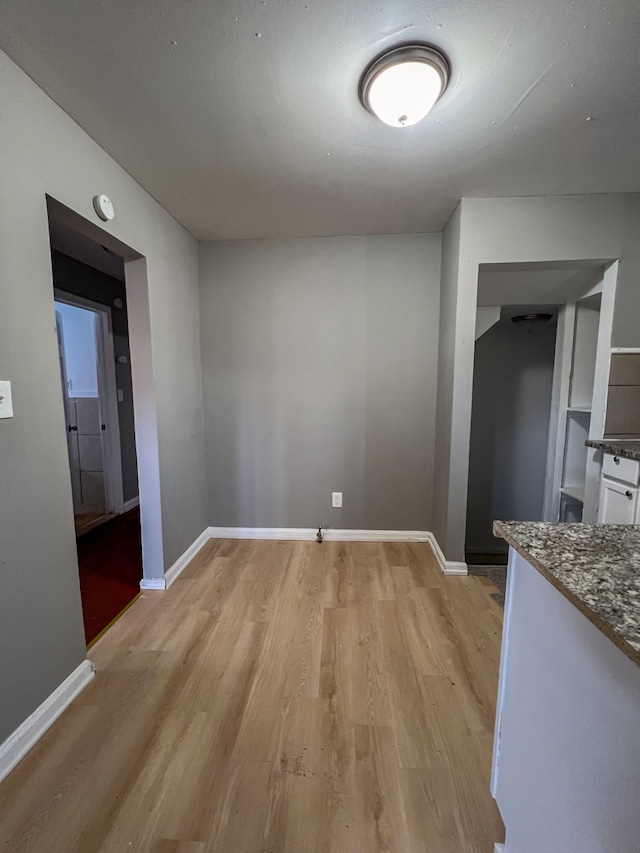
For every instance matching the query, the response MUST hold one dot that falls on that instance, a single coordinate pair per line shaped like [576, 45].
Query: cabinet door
[618, 503]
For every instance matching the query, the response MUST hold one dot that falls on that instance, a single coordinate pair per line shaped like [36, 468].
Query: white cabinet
[619, 493]
[574, 720]
[621, 468]
[618, 503]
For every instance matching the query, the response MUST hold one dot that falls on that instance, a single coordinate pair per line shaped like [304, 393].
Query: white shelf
[585, 344]
[575, 455]
[576, 493]
[571, 489]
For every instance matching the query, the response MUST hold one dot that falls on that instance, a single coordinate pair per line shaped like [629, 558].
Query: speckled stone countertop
[629, 448]
[596, 566]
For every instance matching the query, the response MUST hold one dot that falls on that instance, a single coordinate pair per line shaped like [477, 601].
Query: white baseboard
[448, 567]
[330, 534]
[376, 535]
[132, 504]
[153, 583]
[499, 848]
[182, 562]
[302, 534]
[17, 745]
[451, 567]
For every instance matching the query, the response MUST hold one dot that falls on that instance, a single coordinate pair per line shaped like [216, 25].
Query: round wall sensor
[103, 207]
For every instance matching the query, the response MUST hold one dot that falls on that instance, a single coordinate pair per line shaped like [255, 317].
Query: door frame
[75, 483]
[563, 367]
[108, 395]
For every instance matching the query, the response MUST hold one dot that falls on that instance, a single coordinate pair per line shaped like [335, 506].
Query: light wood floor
[281, 697]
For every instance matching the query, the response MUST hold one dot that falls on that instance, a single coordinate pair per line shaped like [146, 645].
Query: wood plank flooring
[280, 697]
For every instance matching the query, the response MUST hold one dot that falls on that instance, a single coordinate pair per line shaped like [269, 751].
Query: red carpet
[110, 558]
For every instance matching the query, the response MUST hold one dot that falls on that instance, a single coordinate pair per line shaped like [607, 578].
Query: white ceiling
[250, 125]
[535, 284]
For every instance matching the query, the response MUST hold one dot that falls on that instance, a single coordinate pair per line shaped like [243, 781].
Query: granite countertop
[595, 566]
[629, 448]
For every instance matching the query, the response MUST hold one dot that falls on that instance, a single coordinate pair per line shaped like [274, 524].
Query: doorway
[85, 347]
[95, 372]
[542, 338]
[511, 407]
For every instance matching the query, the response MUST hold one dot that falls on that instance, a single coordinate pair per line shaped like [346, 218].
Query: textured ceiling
[242, 118]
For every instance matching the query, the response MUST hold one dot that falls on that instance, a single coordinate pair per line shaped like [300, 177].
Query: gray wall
[513, 230]
[319, 375]
[446, 358]
[44, 151]
[512, 379]
[75, 277]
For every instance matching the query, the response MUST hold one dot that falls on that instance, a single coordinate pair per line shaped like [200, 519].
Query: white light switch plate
[6, 404]
[336, 499]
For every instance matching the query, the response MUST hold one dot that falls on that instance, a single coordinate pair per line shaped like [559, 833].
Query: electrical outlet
[336, 499]
[6, 406]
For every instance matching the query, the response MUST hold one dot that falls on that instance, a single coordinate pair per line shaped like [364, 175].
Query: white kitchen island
[566, 769]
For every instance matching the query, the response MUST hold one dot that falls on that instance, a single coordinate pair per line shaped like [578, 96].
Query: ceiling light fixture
[401, 86]
[529, 322]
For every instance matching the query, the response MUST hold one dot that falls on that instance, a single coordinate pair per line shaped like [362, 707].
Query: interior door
[70, 421]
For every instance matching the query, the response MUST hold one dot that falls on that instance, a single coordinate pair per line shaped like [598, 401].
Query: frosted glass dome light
[402, 86]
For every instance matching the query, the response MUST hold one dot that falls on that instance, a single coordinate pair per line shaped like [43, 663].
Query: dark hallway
[110, 561]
